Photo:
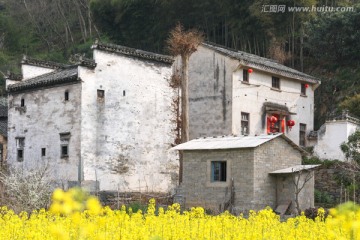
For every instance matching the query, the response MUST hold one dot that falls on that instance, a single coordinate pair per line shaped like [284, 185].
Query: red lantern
[306, 85]
[250, 70]
[273, 120]
[290, 123]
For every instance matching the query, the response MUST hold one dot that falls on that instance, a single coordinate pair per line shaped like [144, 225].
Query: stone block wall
[273, 155]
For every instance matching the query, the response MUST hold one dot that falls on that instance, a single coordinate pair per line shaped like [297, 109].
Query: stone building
[246, 172]
[106, 123]
[233, 92]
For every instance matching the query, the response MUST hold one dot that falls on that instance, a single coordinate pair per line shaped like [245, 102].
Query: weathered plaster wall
[30, 71]
[126, 136]
[273, 155]
[250, 98]
[210, 94]
[330, 136]
[46, 114]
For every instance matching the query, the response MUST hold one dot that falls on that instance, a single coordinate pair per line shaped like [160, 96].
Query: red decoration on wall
[306, 85]
[250, 70]
[290, 123]
[273, 120]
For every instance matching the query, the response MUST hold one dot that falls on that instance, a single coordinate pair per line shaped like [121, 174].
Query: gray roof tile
[42, 63]
[133, 52]
[261, 63]
[57, 77]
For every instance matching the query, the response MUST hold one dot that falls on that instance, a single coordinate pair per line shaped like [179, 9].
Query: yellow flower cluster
[75, 215]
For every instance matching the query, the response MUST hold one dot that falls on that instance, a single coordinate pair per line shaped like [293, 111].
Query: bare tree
[299, 180]
[184, 43]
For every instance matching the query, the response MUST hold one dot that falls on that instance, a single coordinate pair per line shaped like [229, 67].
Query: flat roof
[293, 169]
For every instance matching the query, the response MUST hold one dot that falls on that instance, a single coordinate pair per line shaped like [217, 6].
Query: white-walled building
[333, 133]
[107, 123]
[233, 92]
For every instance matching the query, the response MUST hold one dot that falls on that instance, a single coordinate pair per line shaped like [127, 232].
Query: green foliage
[352, 104]
[323, 197]
[351, 147]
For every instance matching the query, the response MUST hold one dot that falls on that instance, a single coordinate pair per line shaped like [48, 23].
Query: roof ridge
[133, 52]
[265, 64]
[43, 63]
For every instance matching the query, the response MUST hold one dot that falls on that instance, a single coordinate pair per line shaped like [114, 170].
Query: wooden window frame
[218, 171]
[275, 83]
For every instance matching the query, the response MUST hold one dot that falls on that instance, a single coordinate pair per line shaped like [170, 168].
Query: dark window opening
[302, 140]
[303, 89]
[43, 152]
[276, 82]
[245, 123]
[22, 102]
[124, 93]
[66, 96]
[245, 75]
[20, 155]
[218, 171]
[100, 94]
[64, 151]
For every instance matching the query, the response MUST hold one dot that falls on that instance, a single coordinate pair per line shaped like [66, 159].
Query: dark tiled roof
[80, 60]
[57, 77]
[13, 76]
[42, 63]
[3, 127]
[133, 52]
[261, 63]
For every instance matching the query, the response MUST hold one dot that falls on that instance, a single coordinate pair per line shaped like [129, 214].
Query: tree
[184, 43]
[299, 180]
[351, 148]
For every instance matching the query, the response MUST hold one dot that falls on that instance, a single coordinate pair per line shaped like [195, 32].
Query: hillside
[318, 42]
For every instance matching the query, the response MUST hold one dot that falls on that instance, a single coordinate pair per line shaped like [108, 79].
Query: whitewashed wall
[46, 114]
[125, 140]
[29, 71]
[330, 136]
[217, 97]
[251, 97]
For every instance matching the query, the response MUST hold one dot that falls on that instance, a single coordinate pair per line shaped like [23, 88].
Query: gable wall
[46, 114]
[210, 94]
[125, 140]
[30, 71]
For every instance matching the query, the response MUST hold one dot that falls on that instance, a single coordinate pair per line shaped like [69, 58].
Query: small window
[302, 140]
[275, 82]
[100, 94]
[64, 151]
[43, 152]
[218, 171]
[245, 75]
[124, 93]
[20, 142]
[244, 123]
[20, 155]
[64, 144]
[66, 96]
[303, 89]
[22, 104]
